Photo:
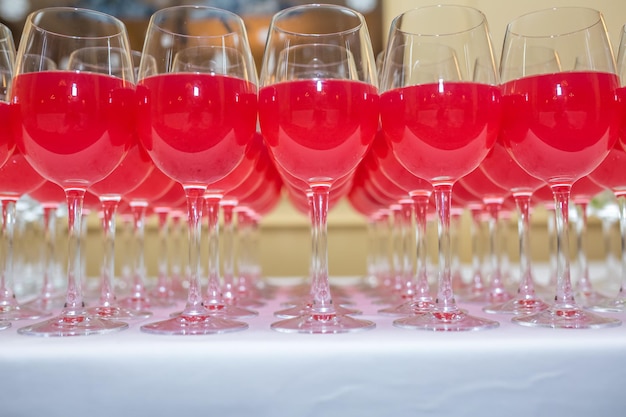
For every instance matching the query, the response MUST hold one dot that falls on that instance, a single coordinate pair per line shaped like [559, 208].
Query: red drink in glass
[559, 127]
[196, 126]
[441, 132]
[318, 130]
[74, 127]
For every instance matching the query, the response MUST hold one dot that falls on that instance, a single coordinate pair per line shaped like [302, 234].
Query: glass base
[591, 299]
[616, 305]
[20, 312]
[518, 306]
[144, 303]
[302, 309]
[47, 304]
[451, 321]
[322, 323]
[73, 324]
[490, 296]
[194, 324]
[5, 325]
[118, 313]
[224, 310]
[571, 317]
[408, 308]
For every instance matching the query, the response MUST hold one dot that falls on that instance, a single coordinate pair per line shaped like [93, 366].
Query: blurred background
[284, 239]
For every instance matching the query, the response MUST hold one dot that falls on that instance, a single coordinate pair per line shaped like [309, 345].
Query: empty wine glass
[74, 128]
[441, 115]
[560, 124]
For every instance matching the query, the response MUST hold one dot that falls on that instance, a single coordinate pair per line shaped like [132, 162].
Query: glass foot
[73, 324]
[408, 308]
[20, 312]
[194, 324]
[5, 325]
[302, 309]
[224, 310]
[490, 296]
[593, 300]
[118, 313]
[321, 323]
[518, 306]
[571, 317]
[451, 321]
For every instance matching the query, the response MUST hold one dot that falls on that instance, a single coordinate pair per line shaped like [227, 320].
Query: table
[508, 371]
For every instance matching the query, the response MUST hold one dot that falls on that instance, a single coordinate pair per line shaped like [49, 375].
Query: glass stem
[621, 201]
[244, 255]
[139, 265]
[408, 288]
[7, 294]
[526, 287]
[584, 282]
[214, 291]
[496, 286]
[74, 296]
[228, 255]
[445, 301]
[422, 290]
[477, 283]
[163, 285]
[49, 230]
[564, 297]
[195, 202]
[107, 292]
[320, 286]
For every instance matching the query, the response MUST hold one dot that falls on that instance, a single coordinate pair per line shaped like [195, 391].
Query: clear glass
[576, 39]
[329, 59]
[203, 54]
[79, 156]
[435, 53]
[12, 185]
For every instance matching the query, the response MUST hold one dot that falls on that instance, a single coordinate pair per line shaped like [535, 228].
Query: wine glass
[200, 68]
[560, 123]
[440, 109]
[74, 128]
[132, 170]
[318, 112]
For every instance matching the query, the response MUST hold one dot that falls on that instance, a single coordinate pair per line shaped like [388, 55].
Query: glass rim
[114, 20]
[483, 19]
[160, 28]
[597, 13]
[318, 6]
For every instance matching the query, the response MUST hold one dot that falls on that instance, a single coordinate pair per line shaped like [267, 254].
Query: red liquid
[132, 171]
[17, 177]
[196, 126]
[502, 169]
[441, 132]
[48, 194]
[559, 127]
[243, 170]
[584, 190]
[611, 173]
[318, 130]
[477, 183]
[74, 128]
[7, 144]
[151, 189]
[395, 171]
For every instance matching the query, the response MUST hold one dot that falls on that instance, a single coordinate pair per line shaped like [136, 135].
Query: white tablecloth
[508, 371]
